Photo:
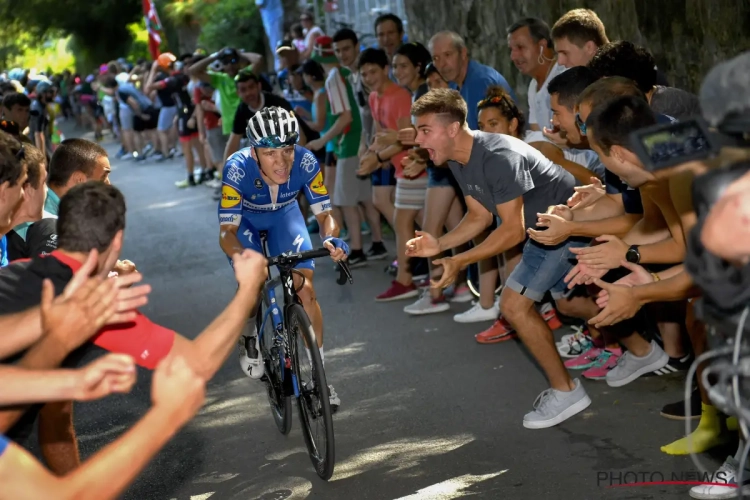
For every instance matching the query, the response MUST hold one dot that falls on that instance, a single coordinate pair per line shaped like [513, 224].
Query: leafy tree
[98, 29]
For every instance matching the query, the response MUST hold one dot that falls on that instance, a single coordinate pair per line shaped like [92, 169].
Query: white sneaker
[478, 313]
[425, 305]
[252, 367]
[723, 483]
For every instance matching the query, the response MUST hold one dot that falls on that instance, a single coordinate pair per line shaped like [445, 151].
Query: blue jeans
[543, 268]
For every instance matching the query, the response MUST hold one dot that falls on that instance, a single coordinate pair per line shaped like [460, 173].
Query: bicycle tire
[279, 400]
[323, 463]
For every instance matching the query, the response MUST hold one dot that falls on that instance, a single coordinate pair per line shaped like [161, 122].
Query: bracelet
[655, 276]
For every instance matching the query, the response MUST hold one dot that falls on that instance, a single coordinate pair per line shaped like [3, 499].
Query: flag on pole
[153, 26]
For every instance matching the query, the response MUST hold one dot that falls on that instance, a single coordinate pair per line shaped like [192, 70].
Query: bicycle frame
[272, 309]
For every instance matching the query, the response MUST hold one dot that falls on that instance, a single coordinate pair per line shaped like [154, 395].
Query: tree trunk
[687, 38]
[188, 37]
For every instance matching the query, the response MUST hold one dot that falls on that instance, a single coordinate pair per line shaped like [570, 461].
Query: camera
[665, 146]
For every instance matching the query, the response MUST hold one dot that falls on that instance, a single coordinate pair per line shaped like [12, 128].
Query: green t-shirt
[347, 144]
[229, 100]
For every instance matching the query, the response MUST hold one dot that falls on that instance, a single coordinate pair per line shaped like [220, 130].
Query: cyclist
[261, 184]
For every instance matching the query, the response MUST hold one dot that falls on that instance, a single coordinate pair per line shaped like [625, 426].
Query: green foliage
[139, 46]
[98, 29]
[107, 29]
[229, 23]
[54, 55]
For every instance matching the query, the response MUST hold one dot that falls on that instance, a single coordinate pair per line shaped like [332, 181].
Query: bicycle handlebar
[289, 259]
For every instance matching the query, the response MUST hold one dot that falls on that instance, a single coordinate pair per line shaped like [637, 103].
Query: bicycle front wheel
[273, 356]
[313, 403]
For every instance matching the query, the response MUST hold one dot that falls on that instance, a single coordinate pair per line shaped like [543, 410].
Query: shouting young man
[501, 176]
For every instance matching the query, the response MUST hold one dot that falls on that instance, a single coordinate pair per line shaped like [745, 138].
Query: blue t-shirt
[4, 442]
[478, 79]
[3, 251]
[245, 193]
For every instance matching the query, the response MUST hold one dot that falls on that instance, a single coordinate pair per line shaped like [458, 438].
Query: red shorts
[188, 138]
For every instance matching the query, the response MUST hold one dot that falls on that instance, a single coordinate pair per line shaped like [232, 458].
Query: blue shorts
[287, 232]
[438, 177]
[385, 176]
[543, 268]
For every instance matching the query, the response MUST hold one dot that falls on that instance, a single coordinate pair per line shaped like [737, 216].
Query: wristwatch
[633, 255]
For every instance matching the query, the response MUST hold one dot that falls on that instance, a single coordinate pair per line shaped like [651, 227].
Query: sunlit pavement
[427, 413]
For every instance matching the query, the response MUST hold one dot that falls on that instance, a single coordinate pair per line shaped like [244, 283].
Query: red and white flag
[153, 26]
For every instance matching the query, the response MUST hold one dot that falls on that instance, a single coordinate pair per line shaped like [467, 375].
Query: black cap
[229, 56]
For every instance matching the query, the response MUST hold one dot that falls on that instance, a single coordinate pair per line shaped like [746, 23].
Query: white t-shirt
[539, 107]
[313, 35]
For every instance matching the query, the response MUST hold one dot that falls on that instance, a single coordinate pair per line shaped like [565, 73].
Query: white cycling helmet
[273, 127]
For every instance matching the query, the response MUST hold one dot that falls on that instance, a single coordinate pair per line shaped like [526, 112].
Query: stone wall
[686, 37]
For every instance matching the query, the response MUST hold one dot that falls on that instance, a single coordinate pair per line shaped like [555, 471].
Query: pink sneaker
[585, 360]
[606, 360]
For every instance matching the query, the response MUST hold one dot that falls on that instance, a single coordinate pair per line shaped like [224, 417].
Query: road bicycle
[284, 335]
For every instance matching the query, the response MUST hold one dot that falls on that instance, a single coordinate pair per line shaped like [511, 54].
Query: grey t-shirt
[501, 168]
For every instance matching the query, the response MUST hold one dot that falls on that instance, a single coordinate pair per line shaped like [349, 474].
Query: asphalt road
[426, 412]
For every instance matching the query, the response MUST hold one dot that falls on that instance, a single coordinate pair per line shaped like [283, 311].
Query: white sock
[322, 356]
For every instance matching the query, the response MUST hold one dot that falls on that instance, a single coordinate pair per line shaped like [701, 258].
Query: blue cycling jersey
[245, 195]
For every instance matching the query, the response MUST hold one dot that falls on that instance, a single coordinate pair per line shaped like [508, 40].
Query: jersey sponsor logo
[233, 219]
[317, 186]
[319, 208]
[287, 194]
[308, 162]
[230, 198]
[298, 241]
[235, 174]
[246, 204]
[258, 184]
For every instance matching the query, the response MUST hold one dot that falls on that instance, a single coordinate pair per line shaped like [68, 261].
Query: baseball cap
[284, 45]
[323, 51]
[725, 92]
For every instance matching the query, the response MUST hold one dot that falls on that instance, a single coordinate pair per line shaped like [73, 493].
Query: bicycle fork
[280, 340]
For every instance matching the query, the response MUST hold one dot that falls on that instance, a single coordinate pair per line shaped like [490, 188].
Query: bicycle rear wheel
[313, 403]
[273, 360]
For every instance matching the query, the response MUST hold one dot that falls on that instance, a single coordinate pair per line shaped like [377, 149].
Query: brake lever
[344, 273]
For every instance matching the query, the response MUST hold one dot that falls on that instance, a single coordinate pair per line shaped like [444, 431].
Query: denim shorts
[166, 118]
[543, 268]
[438, 177]
[385, 176]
